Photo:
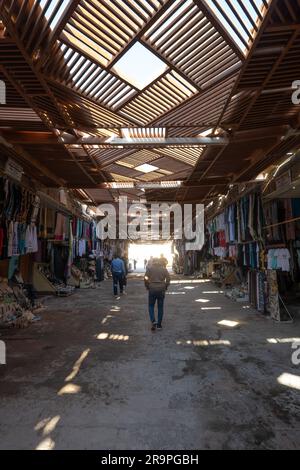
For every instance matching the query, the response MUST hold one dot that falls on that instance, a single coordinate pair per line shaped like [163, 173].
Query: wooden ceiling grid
[265, 86]
[19, 69]
[227, 68]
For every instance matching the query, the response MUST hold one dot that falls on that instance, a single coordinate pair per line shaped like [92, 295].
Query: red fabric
[74, 226]
[222, 238]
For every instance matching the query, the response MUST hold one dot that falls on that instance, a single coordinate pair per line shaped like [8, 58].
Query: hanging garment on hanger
[31, 242]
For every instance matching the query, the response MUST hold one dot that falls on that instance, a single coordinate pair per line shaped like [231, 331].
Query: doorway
[142, 251]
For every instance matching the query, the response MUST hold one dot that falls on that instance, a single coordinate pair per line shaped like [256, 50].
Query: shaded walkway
[92, 376]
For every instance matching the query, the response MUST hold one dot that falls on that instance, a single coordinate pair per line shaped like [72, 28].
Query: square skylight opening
[143, 132]
[139, 66]
[146, 168]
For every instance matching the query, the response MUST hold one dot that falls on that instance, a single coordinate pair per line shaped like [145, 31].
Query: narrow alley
[91, 374]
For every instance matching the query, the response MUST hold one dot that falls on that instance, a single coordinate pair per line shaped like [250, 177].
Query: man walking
[118, 273]
[157, 280]
[163, 260]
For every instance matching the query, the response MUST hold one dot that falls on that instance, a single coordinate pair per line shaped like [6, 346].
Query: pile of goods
[16, 309]
[61, 289]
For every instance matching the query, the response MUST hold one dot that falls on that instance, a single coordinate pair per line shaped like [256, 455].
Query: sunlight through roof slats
[239, 18]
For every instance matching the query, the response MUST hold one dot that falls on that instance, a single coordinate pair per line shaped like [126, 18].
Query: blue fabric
[117, 266]
[13, 265]
[158, 296]
[118, 281]
[296, 207]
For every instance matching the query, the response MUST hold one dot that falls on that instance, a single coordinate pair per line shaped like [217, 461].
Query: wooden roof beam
[66, 16]
[25, 156]
[210, 15]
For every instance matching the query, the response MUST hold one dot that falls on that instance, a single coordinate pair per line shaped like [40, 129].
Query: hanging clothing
[10, 236]
[31, 242]
[15, 240]
[81, 248]
[61, 230]
[279, 259]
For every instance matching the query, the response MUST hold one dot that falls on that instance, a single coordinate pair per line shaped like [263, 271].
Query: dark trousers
[118, 281]
[30, 293]
[159, 297]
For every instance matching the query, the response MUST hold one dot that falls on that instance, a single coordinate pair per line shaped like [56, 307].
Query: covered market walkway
[91, 375]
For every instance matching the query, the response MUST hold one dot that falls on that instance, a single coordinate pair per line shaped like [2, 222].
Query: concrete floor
[91, 375]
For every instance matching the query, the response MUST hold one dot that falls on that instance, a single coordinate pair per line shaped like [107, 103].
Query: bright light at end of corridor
[142, 251]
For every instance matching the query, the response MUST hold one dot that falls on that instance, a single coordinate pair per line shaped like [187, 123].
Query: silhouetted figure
[118, 271]
[163, 260]
[157, 280]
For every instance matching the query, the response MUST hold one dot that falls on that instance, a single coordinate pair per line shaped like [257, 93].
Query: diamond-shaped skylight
[139, 66]
[146, 168]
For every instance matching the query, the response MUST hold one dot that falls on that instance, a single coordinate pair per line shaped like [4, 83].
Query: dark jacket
[157, 278]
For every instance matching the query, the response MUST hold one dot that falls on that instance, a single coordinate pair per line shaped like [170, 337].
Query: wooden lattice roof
[216, 68]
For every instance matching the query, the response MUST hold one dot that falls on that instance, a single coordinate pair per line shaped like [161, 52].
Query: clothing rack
[282, 223]
[50, 202]
[45, 198]
[276, 245]
[253, 190]
[18, 183]
[245, 243]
